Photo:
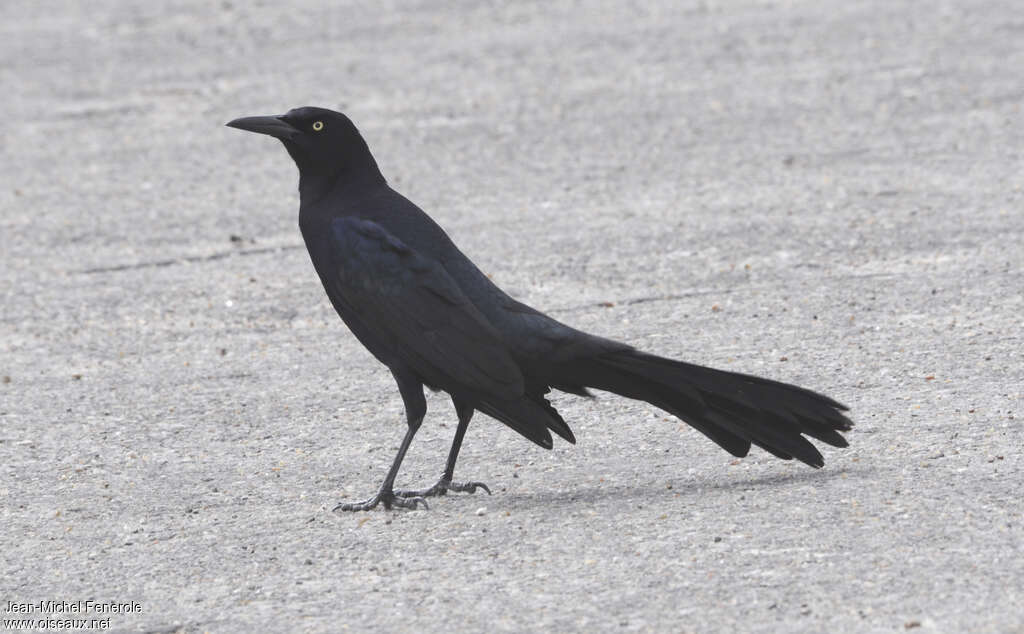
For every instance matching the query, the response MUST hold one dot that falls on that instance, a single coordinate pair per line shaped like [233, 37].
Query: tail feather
[524, 414]
[733, 410]
[516, 415]
[682, 401]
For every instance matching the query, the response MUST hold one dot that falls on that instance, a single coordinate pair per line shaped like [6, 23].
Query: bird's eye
[318, 125]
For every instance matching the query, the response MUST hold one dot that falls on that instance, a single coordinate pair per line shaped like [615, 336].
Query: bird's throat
[342, 184]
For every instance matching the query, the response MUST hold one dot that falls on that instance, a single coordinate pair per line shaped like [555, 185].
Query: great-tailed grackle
[428, 313]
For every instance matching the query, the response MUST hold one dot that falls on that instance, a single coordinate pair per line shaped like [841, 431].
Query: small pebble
[482, 510]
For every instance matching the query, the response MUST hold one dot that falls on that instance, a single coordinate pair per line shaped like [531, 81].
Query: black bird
[428, 313]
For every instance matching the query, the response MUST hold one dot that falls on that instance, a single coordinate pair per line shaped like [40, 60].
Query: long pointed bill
[274, 126]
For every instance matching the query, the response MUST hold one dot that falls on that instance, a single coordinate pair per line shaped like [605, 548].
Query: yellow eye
[318, 125]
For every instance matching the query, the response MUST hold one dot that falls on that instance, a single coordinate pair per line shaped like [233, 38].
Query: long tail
[734, 410]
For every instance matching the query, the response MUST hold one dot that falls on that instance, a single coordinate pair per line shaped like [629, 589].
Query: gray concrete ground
[827, 193]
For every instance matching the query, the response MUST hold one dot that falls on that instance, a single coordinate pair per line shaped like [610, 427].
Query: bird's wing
[412, 302]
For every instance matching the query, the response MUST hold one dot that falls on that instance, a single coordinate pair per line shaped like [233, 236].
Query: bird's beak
[273, 125]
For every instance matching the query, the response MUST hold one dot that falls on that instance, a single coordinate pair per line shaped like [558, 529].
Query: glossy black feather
[412, 301]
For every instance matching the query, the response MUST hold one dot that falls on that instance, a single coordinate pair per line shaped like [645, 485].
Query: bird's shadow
[636, 496]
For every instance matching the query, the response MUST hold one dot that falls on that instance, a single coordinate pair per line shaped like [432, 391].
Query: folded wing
[411, 302]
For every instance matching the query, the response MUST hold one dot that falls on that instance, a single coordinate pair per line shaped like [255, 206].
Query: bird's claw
[388, 499]
[468, 487]
[442, 487]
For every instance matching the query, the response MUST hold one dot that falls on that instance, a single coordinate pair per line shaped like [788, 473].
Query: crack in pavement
[640, 300]
[565, 309]
[696, 293]
[186, 259]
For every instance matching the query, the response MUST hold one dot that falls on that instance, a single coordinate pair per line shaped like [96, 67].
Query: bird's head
[325, 145]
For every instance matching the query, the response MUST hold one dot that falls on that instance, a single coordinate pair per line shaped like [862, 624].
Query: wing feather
[412, 302]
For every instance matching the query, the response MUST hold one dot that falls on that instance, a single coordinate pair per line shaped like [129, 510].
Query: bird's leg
[415, 410]
[445, 484]
[386, 495]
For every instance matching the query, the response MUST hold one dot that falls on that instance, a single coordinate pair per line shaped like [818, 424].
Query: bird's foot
[388, 499]
[442, 487]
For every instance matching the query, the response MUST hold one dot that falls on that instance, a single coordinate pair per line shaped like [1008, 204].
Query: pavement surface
[826, 193]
